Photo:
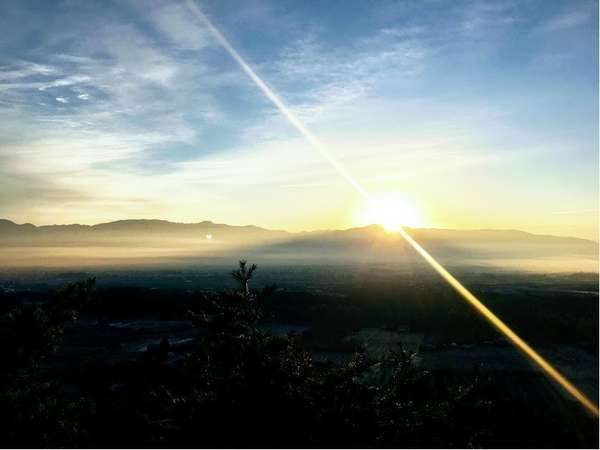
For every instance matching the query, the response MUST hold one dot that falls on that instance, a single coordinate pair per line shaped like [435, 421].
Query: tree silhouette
[243, 275]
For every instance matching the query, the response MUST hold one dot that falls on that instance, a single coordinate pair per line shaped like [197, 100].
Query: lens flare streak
[529, 352]
[519, 343]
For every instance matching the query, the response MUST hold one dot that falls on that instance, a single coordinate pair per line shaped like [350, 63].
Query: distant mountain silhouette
[373, 242]
[127, 232]
[370, 243]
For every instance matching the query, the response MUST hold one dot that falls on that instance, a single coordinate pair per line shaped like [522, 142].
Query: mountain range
[369, 243]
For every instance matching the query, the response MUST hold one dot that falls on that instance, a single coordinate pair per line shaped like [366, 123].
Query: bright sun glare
[392, 211]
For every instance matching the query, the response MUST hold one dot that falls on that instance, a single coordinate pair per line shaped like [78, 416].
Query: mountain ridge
[7, 224]
[148, 241]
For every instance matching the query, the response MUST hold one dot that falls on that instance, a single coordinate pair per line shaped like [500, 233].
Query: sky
[475, 114]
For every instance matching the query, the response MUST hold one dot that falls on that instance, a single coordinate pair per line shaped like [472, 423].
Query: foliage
[32, 331]
[239, 386]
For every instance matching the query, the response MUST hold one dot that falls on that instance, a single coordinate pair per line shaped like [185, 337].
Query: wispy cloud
[110, 94]
[174, 21]
[332, 78]
[24, 69]
[570, 18]
[481, 17]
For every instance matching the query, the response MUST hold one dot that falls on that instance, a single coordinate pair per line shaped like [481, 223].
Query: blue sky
[483, 114]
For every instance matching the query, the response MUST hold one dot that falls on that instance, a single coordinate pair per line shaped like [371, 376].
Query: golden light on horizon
[392, 211]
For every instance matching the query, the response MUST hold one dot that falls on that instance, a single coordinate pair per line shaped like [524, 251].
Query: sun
[392, 211]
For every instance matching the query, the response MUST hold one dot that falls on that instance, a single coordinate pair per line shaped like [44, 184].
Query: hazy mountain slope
[130, 232]
[374, 242]
[161, 241]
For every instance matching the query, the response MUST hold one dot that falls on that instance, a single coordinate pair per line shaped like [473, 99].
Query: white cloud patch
[482, 17]
[569, 19]
[24, 69]
[178, 25]
[332, 79]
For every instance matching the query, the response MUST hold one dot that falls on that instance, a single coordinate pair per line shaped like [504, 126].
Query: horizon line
[316, 230]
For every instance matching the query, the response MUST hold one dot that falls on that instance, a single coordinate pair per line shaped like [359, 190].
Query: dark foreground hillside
[112, 367]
